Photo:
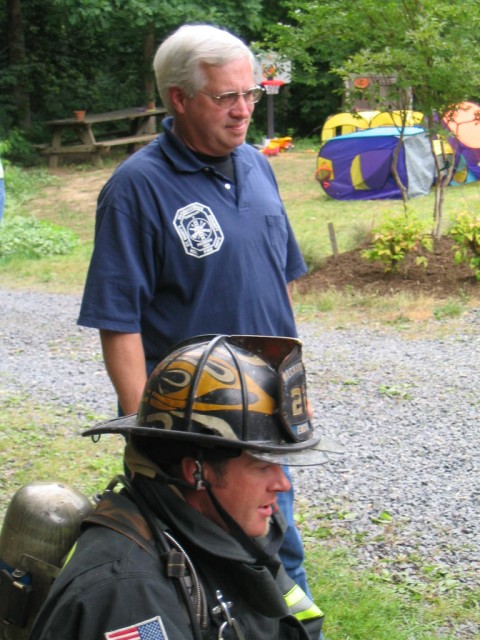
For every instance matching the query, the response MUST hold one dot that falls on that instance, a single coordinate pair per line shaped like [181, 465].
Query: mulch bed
[442, 278]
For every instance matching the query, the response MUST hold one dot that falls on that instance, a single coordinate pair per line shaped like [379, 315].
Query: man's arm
[289, 293]
[309, 402]
[125, 363]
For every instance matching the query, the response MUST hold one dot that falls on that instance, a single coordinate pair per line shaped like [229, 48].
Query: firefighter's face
[247, 490]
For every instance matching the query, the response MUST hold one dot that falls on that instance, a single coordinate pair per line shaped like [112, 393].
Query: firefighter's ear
[192, 472]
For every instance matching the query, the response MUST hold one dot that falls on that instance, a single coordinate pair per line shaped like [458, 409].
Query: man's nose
[282, 483]
[242, 105]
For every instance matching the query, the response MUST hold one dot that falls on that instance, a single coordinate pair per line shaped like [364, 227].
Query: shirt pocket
[278, 236]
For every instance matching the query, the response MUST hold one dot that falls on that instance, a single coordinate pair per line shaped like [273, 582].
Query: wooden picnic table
[139, 129]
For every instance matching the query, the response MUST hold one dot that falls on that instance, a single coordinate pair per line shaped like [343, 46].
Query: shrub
[16, 148]
[466, 234]
[27, 236]
[395, 239]
[21, 185]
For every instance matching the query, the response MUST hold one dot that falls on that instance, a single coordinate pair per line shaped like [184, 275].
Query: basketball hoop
[272, 87]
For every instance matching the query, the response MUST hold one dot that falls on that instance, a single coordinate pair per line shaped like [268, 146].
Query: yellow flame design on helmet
[218, 388]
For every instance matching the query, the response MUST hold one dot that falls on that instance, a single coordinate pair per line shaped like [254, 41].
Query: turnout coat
[119, 584]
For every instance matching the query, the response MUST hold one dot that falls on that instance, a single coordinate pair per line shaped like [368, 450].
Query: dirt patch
[71, 200]
[441, 278]
[78, 189]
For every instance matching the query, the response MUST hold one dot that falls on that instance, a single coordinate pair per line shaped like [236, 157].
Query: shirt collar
[179, 154]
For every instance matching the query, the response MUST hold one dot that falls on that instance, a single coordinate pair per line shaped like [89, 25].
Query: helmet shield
[292, 401]
[244, 392]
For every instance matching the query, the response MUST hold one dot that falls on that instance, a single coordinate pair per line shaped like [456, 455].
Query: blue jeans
[291, 552]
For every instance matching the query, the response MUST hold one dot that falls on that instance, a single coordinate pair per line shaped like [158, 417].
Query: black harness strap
[175, 561]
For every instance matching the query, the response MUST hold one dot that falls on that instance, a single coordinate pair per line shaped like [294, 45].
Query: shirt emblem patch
[198, 229]
[152, 629]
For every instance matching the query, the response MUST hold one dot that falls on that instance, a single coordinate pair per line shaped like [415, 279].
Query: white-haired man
[191, 233]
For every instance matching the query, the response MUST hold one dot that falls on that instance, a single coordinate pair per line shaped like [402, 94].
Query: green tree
[429, 46]
[62, 55]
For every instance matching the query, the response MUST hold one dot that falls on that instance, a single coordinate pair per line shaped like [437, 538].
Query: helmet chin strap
[262, 552]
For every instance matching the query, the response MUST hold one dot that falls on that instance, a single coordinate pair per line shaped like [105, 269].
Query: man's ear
[177, 99]
[192, 472]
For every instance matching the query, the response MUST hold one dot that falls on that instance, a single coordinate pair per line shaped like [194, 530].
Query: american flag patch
[152, 629]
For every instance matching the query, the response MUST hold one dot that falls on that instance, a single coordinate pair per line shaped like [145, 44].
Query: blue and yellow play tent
[357, 152]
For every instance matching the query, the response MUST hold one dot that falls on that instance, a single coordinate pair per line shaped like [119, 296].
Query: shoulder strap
[140, 525]
[123, 518]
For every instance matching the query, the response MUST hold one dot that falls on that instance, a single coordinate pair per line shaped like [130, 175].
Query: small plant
[29, 237]
[393, 392]
[466, 234]
[382, 518]
[394, 240]
[451, 308]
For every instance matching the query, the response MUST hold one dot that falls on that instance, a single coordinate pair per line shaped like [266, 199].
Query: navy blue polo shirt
[181, 250]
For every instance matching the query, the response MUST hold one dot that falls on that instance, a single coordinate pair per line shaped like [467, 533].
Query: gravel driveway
[406, 408]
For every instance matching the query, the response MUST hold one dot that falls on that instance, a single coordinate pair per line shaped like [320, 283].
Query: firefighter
[186, 547]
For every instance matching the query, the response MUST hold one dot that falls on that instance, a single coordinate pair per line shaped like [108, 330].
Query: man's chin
[263, 535]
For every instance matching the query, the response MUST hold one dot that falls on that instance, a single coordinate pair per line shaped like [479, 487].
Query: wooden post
[333, 239]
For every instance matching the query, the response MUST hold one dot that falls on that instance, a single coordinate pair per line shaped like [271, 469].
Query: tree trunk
[444, 176]
[18, 62]
[148, 78]
[401, 186]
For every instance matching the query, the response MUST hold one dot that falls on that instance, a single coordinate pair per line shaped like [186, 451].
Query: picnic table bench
[141, 123]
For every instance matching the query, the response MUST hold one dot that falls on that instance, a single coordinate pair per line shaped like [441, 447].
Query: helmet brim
[291, 456]
[123, 424]
[314, 451]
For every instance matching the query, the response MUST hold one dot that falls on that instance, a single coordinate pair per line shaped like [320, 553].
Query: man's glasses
[229, 99]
